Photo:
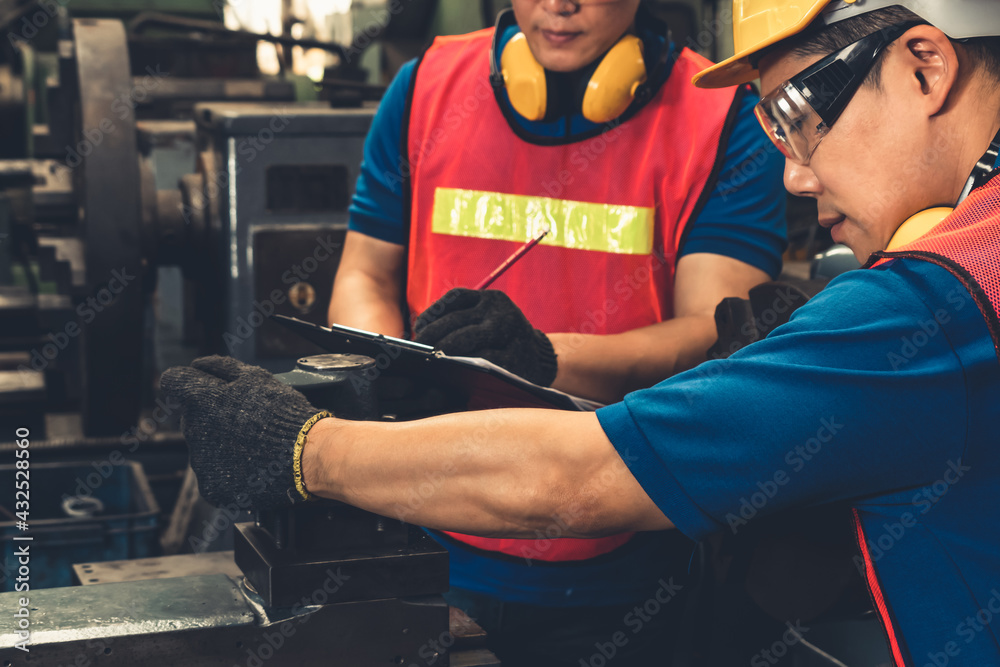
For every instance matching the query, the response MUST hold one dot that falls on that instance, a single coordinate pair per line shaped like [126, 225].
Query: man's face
[871, 172]
[566, 36]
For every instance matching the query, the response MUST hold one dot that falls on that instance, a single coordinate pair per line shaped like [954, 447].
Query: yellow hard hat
[758, 24]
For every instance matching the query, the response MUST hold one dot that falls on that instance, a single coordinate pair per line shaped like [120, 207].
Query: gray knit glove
[244, 430]
[487, 324]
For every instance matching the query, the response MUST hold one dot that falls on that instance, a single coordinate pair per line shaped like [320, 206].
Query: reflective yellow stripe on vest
[624, 230]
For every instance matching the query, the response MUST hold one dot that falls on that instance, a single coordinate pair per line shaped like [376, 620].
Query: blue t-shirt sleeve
[377, 206]
[860, 394]
[745, 216]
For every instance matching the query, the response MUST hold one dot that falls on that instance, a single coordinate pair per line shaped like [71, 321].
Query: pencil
[509, 262]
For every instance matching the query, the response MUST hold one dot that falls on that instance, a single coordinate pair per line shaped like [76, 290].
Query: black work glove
[487, 324]
[242, 426]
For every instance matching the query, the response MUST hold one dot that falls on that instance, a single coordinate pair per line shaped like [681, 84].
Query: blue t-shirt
[882, 391]
[744, 218]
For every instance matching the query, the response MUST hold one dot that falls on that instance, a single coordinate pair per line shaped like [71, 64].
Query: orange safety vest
[617, 205]
[967, 243]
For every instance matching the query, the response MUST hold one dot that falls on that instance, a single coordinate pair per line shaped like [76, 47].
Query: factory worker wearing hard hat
[880, 395]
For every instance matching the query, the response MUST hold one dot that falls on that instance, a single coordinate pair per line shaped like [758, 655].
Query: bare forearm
[358, 302]
[367, 292]
[605, 368]
[497, 473]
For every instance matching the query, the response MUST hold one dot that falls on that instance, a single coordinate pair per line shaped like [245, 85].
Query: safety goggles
[800, 112]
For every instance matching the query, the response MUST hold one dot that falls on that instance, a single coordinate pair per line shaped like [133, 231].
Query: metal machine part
[99, 228]
[258, 230]
[286, 553]
[384, 558]
[340, 380]
[212, 620]
[271, 199]
[80, 218]
[110, 228]
[323, 584]
[833, 261]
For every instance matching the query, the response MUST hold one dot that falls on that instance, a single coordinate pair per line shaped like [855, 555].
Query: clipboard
[486, 384]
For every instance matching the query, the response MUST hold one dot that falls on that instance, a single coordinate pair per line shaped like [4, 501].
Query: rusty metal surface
[63, 615]
[210, 621]
[213, 621]
[165, 567]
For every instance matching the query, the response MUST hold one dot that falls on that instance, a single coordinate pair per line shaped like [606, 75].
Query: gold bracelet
[300, 444]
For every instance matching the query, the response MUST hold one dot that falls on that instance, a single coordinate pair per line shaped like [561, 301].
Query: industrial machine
[100, 229]
[318, 584]
[159, 199]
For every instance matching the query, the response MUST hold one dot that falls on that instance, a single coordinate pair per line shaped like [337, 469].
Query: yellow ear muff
[609, 92]
[613, 86]
[917, 226]
[524, 78]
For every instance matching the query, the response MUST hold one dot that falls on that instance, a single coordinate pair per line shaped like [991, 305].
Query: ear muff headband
[617, 80]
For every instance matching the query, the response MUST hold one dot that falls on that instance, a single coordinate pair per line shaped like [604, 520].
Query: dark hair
[984, 52]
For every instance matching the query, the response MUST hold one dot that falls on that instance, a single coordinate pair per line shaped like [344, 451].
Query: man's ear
[932, 65]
